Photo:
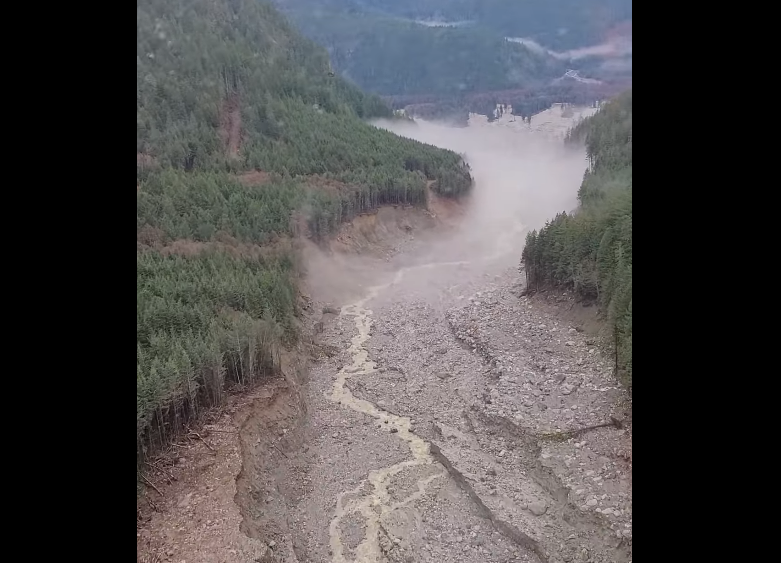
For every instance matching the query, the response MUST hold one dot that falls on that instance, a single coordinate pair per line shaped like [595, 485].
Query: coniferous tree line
[525, 102]
[203, 322]
[590, 251]
[216, 315]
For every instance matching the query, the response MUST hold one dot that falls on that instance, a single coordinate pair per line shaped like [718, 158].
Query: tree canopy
[591, 251]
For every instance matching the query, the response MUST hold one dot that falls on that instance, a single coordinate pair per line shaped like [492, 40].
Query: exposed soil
[447, 211]
[152, 237]
[208, 497]
[230, 126]
[382, 233]
[254, 178]
[145, 160]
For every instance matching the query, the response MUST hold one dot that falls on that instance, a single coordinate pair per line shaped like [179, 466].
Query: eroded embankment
[271, 436]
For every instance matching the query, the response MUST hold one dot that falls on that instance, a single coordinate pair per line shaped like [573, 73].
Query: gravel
[494, 381]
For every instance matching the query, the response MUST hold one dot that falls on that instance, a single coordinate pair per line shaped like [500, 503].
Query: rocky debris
[515, 364]
[491, 379]
[506, 529]
[483, 380]
[537, 507]
[567, 389]
[549, 385]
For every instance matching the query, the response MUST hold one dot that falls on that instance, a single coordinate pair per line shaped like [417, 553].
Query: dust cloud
[336, 277]
[522, 178]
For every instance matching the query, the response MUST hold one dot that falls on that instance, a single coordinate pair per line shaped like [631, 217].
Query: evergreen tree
[591, 251]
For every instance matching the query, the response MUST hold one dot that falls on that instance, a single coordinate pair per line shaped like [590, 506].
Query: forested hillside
[244, 137]
[591, 251]
[392, 56]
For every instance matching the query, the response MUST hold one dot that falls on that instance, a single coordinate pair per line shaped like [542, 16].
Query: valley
[384, 281]
[435, 410]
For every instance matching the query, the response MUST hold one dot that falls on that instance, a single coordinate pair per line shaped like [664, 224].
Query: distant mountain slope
[391, 56]
[450, 47]
[559, 25]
